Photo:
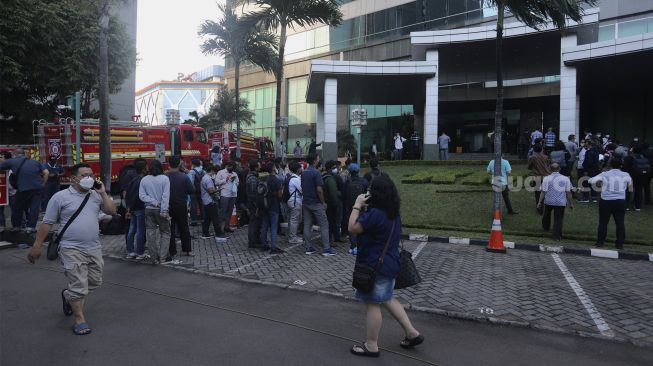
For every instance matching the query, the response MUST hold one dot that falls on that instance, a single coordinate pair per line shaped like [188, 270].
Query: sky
[167, 41]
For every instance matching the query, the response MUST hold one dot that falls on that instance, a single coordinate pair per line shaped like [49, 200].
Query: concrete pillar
[569, 100]
[330, 145]
[431, 113]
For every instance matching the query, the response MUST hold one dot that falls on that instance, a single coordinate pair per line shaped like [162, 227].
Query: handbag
[364, 275]
[53, 247]
[408, 274]
[13, 178]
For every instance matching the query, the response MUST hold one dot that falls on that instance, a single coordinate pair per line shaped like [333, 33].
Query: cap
[353, 167]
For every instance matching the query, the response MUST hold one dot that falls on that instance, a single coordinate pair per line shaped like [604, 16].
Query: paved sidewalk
[589, 296]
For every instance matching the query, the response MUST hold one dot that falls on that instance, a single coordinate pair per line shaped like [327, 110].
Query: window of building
[633, 28]
[606, 33]
[261, 102]
[300, 112]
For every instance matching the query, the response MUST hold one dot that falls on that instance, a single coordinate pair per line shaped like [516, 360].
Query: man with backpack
[292, 195]
[254, 227]
[28, 177]
[196, 207]
[269, 194]
[354, 187]
[638, 166]
[314, 206]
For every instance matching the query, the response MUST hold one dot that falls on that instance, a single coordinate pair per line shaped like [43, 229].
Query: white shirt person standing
[399, 146]
[154, 191]
[443, 142]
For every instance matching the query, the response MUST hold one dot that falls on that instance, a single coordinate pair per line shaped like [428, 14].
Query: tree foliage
[49, 49]
[222, 112]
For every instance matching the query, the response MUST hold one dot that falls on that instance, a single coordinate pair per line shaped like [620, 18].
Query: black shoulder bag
[13, 178]
[364, 275]
[53, 247]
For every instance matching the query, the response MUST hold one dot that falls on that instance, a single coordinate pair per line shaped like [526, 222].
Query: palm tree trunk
[237, 111]
[498, 117]
[279, 75]
[103, 93]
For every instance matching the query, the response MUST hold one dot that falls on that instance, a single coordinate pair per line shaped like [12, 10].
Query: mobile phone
[97, 184]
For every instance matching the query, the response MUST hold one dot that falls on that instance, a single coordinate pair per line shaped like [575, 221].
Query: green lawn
[457, 201]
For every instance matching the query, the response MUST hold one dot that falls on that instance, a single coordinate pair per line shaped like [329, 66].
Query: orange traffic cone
[496, 237]
[234, 218]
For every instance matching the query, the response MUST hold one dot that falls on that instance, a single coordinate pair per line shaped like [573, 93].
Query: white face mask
[86, 183]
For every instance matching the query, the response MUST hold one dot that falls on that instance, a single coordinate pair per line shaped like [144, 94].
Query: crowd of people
[598, 169]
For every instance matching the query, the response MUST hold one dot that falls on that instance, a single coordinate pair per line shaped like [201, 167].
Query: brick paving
[521, 287]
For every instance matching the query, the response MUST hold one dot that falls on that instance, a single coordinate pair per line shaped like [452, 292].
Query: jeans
[3, 221]
[318, 211]
[270, 222]
[638, 190]
[137, 231]
[226, 209]
[179, 220]
[196, 209]
[29, 203]
[616, 209]
[558, 216]
[51, 187]
[399, 153]
[506, 199]
[211, 217]
[158, 233]
[444, 154]
[295, 212]
[253, 228]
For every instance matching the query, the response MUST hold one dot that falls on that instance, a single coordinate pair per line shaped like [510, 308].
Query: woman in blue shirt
[373, 227]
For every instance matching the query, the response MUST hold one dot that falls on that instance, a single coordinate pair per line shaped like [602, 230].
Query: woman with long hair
[376, 221]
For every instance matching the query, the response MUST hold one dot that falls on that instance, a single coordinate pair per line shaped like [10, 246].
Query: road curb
[589, 252]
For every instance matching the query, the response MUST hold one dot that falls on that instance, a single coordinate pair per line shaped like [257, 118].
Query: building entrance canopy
[361, 82]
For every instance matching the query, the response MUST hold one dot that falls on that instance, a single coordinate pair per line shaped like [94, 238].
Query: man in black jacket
[254, 227]
[180, 188]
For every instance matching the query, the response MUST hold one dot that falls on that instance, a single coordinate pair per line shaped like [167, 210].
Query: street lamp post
[358, 120]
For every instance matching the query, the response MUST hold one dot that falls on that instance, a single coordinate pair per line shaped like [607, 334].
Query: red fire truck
[250, 147]
[129, 140]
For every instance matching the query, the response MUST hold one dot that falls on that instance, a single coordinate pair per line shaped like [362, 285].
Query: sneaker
[131, 255]
[140, 257]
[205, 236]
[328, 252]
[353, 251]
[220, 239]
[637, 210]
[584, 201]
[167, 261]
[310, 250]
[277, 251]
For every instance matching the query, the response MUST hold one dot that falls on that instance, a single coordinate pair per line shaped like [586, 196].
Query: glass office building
[602, 62]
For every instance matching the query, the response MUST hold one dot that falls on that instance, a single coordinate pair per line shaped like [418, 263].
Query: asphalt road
[145, 315]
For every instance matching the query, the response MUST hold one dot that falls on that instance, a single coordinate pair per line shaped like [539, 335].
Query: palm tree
[278, 15]
[535, 14]
[223, 111]
[242, 41]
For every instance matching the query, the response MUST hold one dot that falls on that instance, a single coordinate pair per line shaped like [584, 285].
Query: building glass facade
[261, 102]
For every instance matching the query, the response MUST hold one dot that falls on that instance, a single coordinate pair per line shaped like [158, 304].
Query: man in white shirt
[614, 184]
[294, 202]
[227, 182]
[443, 142]
[556, 195]
[399, 146]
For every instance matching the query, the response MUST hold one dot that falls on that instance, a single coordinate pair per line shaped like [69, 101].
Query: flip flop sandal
[67, 309]
[412, 342]
[365, 352]
[81, 329]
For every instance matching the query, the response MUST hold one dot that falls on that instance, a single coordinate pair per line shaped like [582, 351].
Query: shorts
[83, 269]
[382, 291]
